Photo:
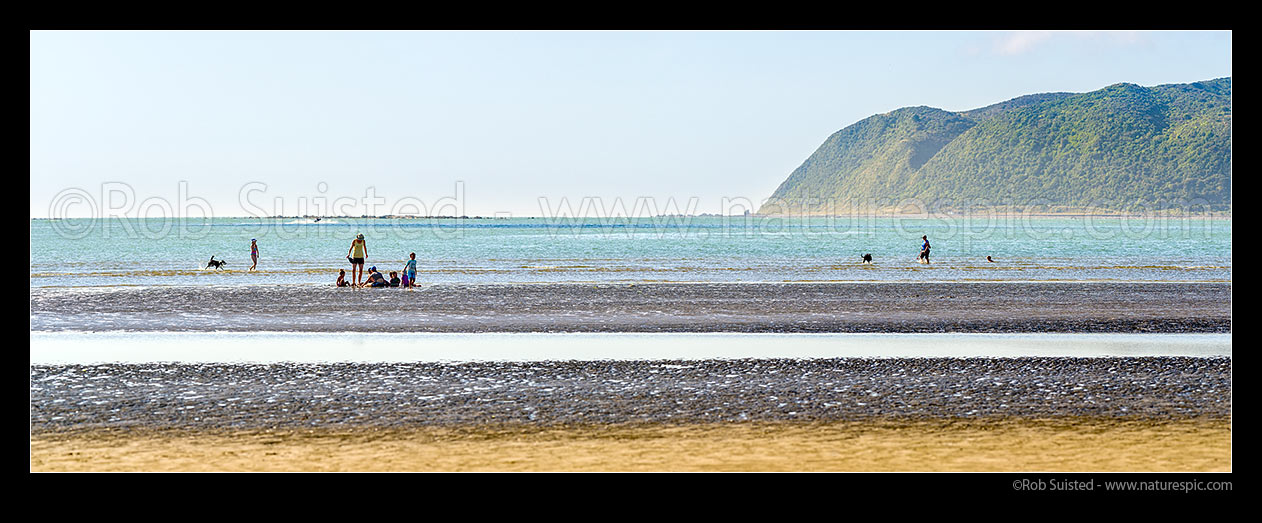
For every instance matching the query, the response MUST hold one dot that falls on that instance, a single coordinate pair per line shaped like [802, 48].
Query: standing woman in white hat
[356, 255]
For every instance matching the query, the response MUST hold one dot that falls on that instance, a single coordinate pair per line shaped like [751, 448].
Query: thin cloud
[1022, 42]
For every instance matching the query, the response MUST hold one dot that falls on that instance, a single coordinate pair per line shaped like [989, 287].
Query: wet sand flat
[892, 307]
[1061, 444]
[67, 398]
[853, 414]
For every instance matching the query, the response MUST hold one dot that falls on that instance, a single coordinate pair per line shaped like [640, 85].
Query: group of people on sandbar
[358, 253]
[374, 279]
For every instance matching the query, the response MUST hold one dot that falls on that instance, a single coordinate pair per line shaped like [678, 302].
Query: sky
[512, 123]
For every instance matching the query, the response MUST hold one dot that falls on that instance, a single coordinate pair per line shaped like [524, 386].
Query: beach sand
[657, 307]
[1060, 444]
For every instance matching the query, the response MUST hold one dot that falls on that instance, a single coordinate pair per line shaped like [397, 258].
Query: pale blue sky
[515, 116]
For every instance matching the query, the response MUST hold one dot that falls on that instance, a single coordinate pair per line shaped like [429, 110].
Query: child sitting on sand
[341, 278]
[394, 279]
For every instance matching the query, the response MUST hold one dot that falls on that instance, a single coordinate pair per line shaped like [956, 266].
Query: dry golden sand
[1063, 444]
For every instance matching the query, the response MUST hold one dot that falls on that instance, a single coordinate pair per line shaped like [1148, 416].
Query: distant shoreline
[1000, 215]
[1219, 216]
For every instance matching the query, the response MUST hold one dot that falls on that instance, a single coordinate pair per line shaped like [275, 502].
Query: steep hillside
[1122, 148]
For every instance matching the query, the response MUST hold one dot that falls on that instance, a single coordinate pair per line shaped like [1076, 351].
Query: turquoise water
[673, 249]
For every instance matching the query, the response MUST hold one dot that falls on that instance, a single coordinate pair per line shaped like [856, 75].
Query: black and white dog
[218, 264]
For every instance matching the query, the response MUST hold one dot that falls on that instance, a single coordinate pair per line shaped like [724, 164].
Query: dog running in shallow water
[867, 258]
[218, 264]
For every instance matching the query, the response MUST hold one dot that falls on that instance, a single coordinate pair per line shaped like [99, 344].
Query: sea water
[88, 348]
[303, 251]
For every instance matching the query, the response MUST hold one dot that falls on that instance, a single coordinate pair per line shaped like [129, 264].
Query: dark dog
[867, 258]
[218, 264]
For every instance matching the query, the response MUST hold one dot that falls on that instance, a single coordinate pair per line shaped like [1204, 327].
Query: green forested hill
[1121, 148]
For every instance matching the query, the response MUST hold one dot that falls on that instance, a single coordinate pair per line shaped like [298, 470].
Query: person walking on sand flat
[254, 252]
[924, 250]
[356, 255]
